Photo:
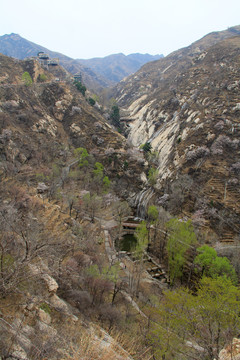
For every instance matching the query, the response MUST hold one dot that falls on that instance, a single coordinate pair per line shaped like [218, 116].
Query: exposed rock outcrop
[231, 352]
[186, 107]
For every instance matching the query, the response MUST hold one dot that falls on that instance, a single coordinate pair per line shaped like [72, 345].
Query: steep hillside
[187, 107]
[149, 78]
[67, 290]
[61, 168]
[54, 112]
[15, 46]
[118, 66]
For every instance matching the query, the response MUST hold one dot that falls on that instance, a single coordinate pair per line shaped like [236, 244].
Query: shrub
[219, 125]
[45, 307]
[212, 265]
[236, 167]
[42, 77]
[147, 147]
[233, 181]
[5, 136]
[106, 183]
[82, 155]
[91, 101]
[26, 78]
[115, 116]
[82, 299]
[152, 176]
[199, 152]
[221, 142]
[125, 165]
[109, 314]
[82, 88]
[97, 140]
[198, 218]
[75, 110]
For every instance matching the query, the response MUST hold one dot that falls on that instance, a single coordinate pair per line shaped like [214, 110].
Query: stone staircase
[233, 198]
[216, 188]
[228, 196]
[227, 236]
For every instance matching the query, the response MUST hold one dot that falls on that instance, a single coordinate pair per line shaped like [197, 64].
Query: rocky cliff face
[187, 107]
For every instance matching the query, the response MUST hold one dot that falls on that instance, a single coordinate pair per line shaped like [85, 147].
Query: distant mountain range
[118, 66]
[97, 73]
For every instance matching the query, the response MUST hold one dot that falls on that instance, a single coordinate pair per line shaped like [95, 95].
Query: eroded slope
[187, 107]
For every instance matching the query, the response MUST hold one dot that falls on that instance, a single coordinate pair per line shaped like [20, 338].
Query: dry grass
[93, 347]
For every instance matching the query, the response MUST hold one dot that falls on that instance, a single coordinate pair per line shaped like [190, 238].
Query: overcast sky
[96, 28]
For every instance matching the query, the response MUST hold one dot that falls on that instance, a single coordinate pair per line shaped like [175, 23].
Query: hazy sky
[96, 28]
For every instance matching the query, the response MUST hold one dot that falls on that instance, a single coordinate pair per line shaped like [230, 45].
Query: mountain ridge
[15, 46]
[159, 67]
[115, 67]
[95, 76]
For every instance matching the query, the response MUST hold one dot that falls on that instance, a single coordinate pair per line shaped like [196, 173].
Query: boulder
[44, 317]
[51, 283]
[231, 351]
[42, 188]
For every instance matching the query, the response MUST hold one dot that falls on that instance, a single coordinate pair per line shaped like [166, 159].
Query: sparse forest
[121, 246]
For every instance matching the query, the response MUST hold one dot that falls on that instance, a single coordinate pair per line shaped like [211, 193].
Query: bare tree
[121, 210]
[91, 204]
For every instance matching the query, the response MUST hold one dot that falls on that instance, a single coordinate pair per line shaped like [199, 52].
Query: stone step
[226, 240]
[227, 236]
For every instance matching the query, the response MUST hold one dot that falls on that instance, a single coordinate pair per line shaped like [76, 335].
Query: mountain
[55, 146]
[118, 66]
[71, 187]
[97, 73]
[15, 46]
[186, 106]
